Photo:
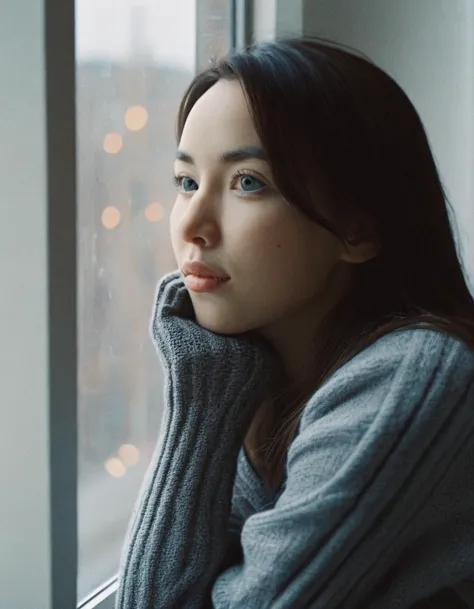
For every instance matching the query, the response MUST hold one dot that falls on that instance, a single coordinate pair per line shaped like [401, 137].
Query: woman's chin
[221, 326]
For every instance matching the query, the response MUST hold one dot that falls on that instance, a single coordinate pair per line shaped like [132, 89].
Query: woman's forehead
[220, 121]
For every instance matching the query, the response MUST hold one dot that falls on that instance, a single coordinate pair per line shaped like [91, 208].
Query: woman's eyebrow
[231, 156]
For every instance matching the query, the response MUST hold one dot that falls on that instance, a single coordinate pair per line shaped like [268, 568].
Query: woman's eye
[188, 184]
[185, 184]
[250, 183]
[243, 182]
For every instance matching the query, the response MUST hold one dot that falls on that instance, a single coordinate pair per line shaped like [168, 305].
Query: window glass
[134, 61]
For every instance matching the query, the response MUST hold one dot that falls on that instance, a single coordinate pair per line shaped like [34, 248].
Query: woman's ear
[357, 249]
[361, 242]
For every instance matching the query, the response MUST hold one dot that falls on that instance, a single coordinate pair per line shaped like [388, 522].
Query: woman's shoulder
[422, 334]
[408, 366]
[411, 352]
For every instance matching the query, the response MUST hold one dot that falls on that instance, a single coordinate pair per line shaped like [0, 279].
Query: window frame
[38, 514]
[104, 596]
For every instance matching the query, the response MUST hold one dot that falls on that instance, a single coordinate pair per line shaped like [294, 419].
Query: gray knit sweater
[377, 506]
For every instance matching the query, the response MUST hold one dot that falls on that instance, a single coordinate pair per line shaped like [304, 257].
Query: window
[134, 60]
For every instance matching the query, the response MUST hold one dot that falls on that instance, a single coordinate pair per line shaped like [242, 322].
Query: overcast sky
[105, 29]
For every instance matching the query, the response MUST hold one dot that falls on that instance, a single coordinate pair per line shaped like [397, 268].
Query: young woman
[317, 449]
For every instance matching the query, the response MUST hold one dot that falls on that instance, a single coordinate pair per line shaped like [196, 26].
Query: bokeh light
[115, 467]
[111, 217]
[154, 212]
[129, 454]
[136, 117]
[113, 143]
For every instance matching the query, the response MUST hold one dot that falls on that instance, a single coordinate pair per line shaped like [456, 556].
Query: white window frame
[38, 317]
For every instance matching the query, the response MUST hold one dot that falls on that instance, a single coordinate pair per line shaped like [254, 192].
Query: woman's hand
[219, 365]
[177, 538]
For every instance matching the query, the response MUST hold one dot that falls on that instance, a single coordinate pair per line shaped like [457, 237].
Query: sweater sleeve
[177, 538]
[374, 443]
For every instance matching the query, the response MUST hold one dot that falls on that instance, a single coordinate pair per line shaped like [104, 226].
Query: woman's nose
[199, 223]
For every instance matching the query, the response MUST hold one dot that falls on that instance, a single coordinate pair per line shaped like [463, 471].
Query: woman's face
[229, 215]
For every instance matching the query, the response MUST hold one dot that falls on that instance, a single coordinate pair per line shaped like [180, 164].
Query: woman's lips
[200, 277]
[198, 284]
[202, 270]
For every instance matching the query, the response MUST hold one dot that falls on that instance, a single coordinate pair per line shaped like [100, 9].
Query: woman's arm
[375, 512]
[178, 537]
[375, 442]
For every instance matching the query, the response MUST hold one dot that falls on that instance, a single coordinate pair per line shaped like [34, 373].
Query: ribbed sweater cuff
[177, 539]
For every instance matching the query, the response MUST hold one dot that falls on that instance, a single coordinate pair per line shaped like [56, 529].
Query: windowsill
[102, 598]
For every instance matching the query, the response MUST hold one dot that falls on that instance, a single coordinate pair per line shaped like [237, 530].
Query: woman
[317, 447]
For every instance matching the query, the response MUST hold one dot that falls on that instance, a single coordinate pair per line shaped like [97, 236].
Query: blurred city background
[134, 61]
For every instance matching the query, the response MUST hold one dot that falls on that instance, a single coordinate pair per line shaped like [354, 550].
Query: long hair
[338, 129]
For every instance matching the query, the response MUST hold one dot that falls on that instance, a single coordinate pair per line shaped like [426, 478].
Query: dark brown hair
[336, 128]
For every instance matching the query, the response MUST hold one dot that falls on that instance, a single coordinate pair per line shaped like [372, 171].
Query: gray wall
[24, 476]
[38, 528]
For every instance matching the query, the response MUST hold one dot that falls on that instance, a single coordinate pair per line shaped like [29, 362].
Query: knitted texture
[377, 509]
[214, 384]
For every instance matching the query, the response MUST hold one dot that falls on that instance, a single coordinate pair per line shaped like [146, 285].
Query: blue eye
[249, 183]
[184, 183]
[188, 184]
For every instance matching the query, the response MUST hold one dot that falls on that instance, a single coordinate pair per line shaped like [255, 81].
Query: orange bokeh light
[111, 217]
[154, 212]
[129, 454]
[113, 143]
[136, 117]
[115, 468]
